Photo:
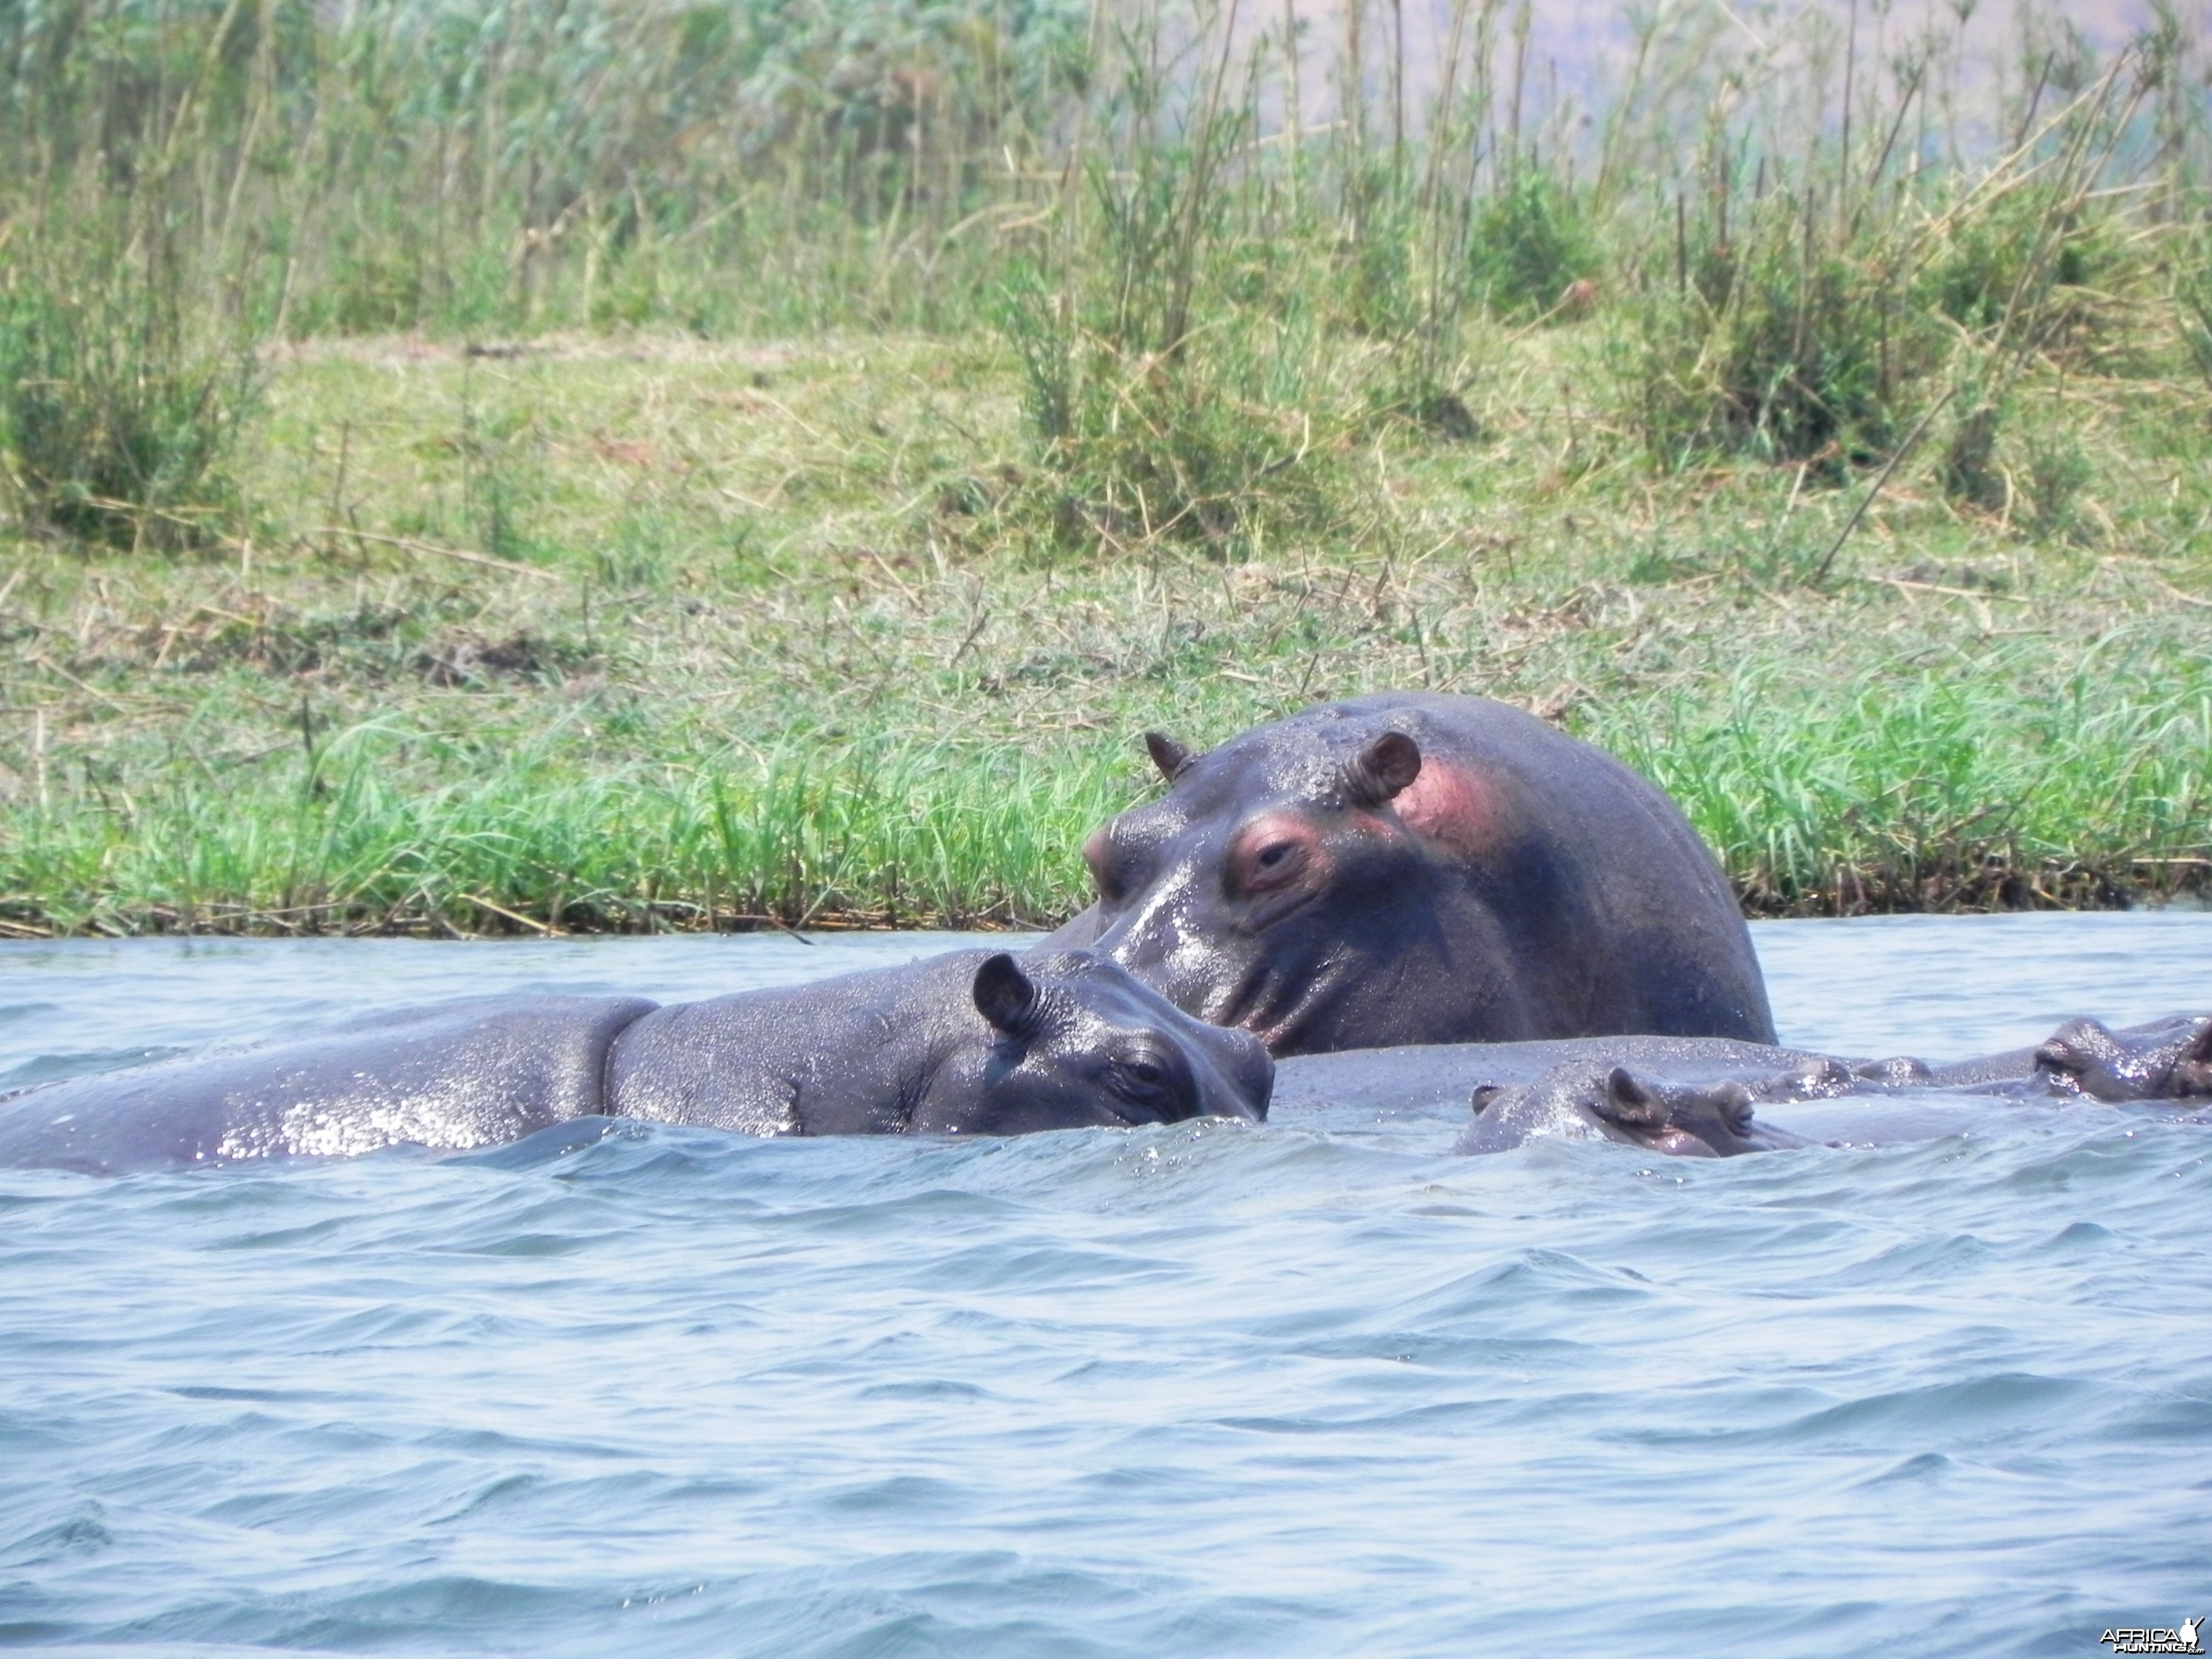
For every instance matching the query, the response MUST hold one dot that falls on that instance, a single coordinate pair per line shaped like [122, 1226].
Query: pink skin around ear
[1452, 805]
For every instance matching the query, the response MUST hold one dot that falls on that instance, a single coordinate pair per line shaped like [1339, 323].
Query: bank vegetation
[564, 464]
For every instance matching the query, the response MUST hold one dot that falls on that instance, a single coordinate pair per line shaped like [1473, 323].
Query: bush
[2027, 264]
[1776, 347]
[1531, 244]
[117, 416]
[2192, 293]
[1170, 375]
[1207, 443]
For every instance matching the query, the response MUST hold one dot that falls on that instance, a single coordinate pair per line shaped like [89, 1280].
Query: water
[1198, 1390]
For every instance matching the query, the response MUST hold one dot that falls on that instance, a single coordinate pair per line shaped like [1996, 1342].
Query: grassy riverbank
[775, 636]
[750, 465]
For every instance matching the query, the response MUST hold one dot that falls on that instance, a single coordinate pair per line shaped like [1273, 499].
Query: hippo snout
[1248, 1079]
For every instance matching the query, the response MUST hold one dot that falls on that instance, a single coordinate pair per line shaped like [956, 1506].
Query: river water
[1206, 1389]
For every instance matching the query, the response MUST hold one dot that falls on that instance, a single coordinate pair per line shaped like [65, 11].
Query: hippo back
[458, 1075]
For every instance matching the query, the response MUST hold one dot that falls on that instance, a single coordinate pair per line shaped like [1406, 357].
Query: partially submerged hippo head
[1410, 868]
[1072, 1040]
[2169, 1060]
[1594, 1100]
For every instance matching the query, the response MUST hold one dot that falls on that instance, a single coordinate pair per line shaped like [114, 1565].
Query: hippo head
[2167, 1060]
[1288, 883]
[1416, 867]
[1593, 1101]
[1069, 1039]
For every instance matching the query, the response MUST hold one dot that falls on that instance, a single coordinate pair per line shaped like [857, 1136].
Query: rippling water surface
[1198, 1390]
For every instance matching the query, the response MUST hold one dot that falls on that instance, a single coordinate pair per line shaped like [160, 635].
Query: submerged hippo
[1699, 1096]
[1416, 868]
[974, 1042]
[1593, 1101]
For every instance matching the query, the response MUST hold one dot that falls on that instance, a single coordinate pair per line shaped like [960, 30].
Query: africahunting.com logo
[2180, 1639]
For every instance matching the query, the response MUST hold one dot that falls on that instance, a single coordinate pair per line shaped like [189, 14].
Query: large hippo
[1699, 1096]
[973, 1043]
[1416, 868]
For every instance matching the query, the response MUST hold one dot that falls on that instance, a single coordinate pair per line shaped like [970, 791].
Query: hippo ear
[1629, 1101]
[1006, 996]
[1382, 770]
[1170, 756]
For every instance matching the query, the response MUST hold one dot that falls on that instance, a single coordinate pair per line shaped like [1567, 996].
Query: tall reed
[1224, 244]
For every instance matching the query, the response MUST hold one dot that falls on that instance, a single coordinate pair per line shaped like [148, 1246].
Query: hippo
[1416, 868]
[1593, 1101]
[1065, 1040]
[1697, 1096]
[972, 1042]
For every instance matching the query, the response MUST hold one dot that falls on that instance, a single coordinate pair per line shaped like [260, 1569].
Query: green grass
[1988, 783]
[386, 829]
[781, 638]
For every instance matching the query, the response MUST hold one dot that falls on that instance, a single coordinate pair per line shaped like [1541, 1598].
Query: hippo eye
[1144, 1077]
[1273, 864]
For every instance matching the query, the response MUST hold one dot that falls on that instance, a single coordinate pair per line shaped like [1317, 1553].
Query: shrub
[2193, 300]
[1169, 377]
[117, 417]
[1206, 443]
[1775, 346]
[2025, 269]
[1531, 244]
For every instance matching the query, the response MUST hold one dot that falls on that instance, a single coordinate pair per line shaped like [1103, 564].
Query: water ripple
[1216, 1389]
